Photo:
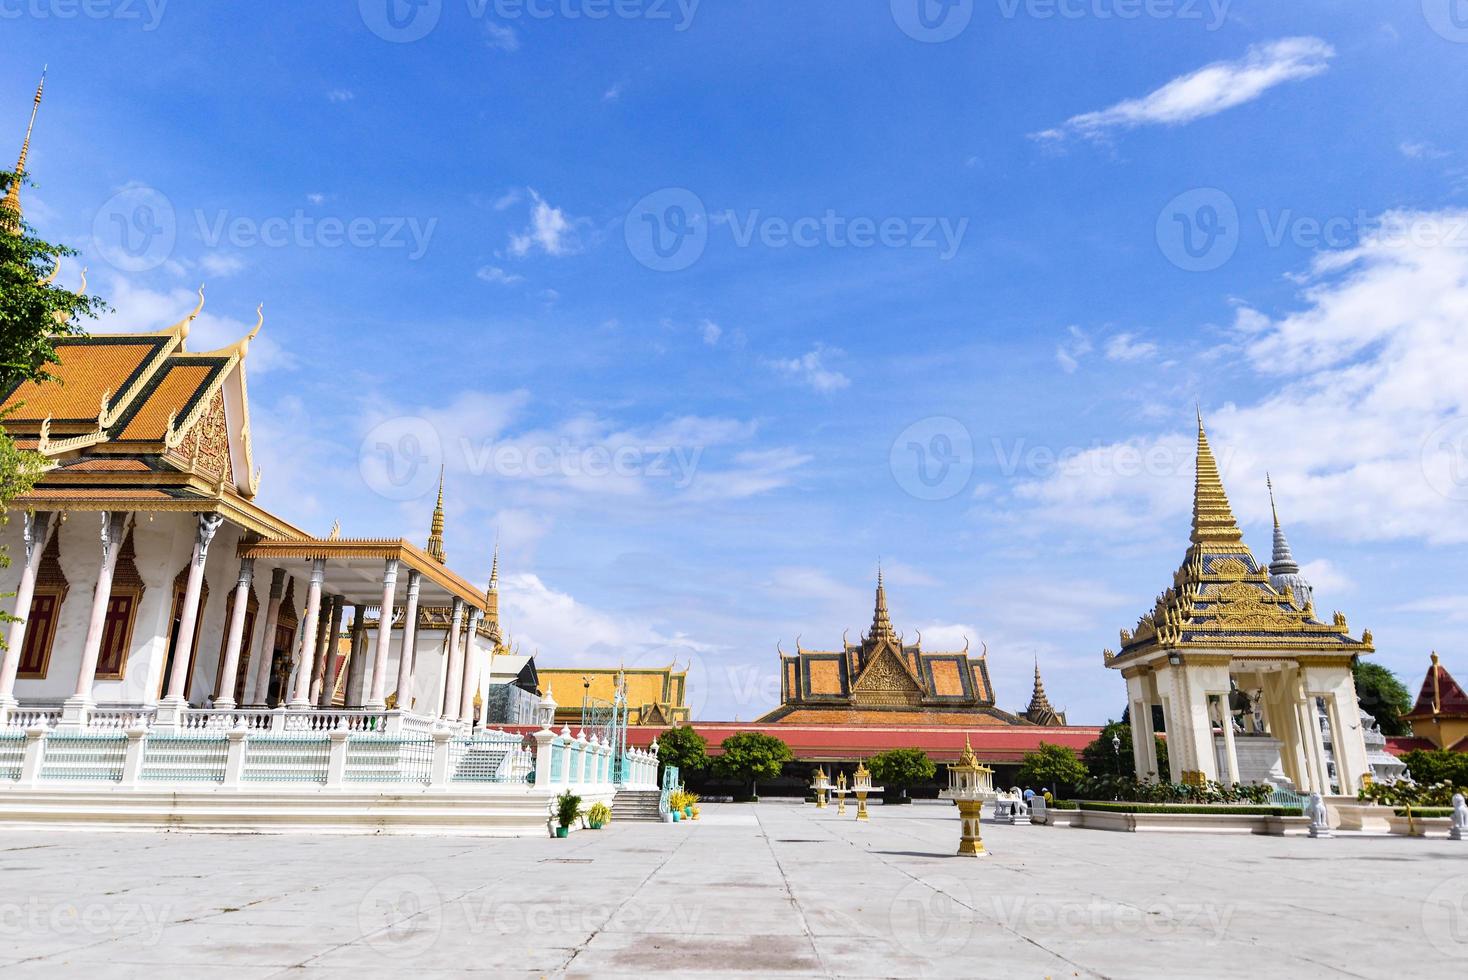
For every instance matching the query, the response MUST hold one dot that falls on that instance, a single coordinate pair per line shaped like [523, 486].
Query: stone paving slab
[775, 889]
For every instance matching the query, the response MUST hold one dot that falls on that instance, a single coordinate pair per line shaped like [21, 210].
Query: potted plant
[689, 805]
[599, 815]
[568, 808]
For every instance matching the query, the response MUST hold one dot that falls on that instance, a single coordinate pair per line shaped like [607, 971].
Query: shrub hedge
[1183, 808]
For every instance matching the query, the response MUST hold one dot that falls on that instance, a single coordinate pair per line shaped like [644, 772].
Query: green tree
[683, 747]
[1382, 696]
[752, 756]
[33, 313]
[1102, 758]
[900, 769]
[1052, 767]
[1438, 766]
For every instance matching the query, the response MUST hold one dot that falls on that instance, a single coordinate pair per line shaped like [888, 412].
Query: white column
[37, 536]
[357, 666]
[322, 658]
[410, 637]
[471, 668]
[454, 672]
[1230, 751]
[302, 699]
[80, 703]
[224, 697]
[333, 653]
[377, 699]
[260, 684]
[183, 652]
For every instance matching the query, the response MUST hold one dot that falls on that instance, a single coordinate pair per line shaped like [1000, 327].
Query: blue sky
[894, 280]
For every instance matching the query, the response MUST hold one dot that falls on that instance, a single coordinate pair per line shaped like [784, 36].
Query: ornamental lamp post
[862, 785]
[969, 783]
[841, 792]
[821, 783]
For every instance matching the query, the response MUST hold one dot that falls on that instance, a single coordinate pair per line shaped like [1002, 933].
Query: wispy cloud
[613, 93]
[501, 37]
[1127, 347]
[1075, 347]
[811, 370]
[1422, 150]
[550, 231]
[339, 95]
[1205, 92]
[494, 274]
[711, 333]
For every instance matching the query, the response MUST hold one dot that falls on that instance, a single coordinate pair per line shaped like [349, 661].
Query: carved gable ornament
[886, 683]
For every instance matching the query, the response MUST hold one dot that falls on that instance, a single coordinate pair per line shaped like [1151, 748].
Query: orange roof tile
[171, 395]
[88, 370]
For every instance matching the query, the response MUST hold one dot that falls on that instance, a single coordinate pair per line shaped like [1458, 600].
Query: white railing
[119, 719]
[220, 719]
[24, 718]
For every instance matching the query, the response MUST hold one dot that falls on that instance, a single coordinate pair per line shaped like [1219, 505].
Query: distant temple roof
[1040, 710]
[1440, 697]
[656, 696]
[1222, 598]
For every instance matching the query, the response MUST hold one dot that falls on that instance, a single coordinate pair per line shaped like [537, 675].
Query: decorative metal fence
[84, 757]
[12, 755]
[287, 759]
[384, 759]
[185, 759]
[492, 759]
[670, 783]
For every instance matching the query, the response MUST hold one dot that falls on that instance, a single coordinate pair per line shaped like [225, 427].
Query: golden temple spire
[1214, 523]
[11, 218]
[881, 622]
[435, 533]
[492, 596]
[1040, 711]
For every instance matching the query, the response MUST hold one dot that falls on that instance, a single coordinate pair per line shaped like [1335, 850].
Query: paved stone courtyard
[773, 889]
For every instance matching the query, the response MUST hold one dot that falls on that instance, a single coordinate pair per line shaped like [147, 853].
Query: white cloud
[711, 333]
[1367, 411]
[501, 37]
[1327, 578]
[136, 309]
[613, 93]
[1421, 151]
[1070, 352]
[494, 274]
[754, 472]
[340, 95]
[316, 199]
[565, 632]
[1205, 92]
[810, 370]
[550, 231]
[221, 265]
[1126, 347]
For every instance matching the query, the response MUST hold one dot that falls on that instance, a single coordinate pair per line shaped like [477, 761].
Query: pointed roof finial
[12, 194]
[1273, 505]
[881, 622]
[435, 532]
[1040, 710]
[1214, 524]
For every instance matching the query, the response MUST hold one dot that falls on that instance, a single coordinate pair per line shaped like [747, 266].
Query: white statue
[1460, 818]
[1319, 816]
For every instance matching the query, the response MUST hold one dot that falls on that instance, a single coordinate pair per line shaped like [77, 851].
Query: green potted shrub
[598, 816]
[568, 808]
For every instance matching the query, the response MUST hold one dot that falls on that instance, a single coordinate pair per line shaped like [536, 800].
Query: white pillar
[177, 694]
[357, 664]
[37, 535]
[224, 697]
[410, 637]
[302, 699]
[453, 674]
[260, 683]
[79, 705]
[1230, 751]
[377, 698]
[333, 653]
[471, 668]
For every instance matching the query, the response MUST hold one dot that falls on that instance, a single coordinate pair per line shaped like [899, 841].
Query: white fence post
[132, 760]
[336, 761]
[277, 719]
[234, 755]
[35, 752]
[543, 741]
[439, 776]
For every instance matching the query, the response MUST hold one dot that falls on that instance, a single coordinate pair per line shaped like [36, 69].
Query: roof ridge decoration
[1214, 524]
[1040, 707]
[435, 532]
[881, 621]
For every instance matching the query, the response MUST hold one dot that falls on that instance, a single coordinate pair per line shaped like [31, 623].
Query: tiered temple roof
[885, 680]
[1440, 696]
[1223, 599]
[1040, 711]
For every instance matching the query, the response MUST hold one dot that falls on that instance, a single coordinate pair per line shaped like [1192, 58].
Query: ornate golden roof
[435, 531]
[1222, 598]
[10, 218]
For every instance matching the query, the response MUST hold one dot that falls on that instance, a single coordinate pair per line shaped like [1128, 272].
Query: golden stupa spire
[435, 533]
[881, 622]
[1214, 524]
[11, 206]
[492, 596]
